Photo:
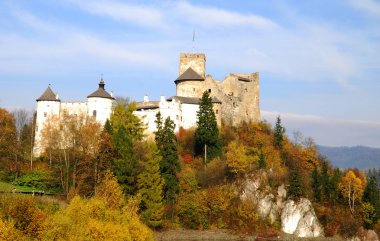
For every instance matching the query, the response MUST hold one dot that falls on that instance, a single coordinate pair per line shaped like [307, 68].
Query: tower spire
[193, 40]
[101, 83]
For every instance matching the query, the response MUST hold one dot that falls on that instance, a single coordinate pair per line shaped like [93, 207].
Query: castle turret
[99, 103]
[48, 105]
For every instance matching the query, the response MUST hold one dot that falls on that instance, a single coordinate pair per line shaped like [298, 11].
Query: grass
[7, 187]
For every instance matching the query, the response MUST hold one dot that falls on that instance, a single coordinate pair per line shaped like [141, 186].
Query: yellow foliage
[92, 220]
[9, 232]
[110, 192]
[238, 160]
[310, 157]
[352, 188]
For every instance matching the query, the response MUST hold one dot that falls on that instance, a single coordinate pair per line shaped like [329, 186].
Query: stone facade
[239, 93]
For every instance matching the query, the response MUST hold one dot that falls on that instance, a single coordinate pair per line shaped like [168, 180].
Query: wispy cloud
[137, 14]
[328, 131]
[369, 6]
[217, 17]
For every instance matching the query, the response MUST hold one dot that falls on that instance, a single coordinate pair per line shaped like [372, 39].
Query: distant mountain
[361, 157]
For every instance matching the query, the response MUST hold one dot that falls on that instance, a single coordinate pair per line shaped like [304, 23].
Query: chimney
[162, 98]
[146, 99]
[56, 96]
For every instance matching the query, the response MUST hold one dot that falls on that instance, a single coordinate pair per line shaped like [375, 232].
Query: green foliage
[296, 189]
[108, 127]
[372, 196]
[262, 162]
[166, 142]
[369, 215]
[316, 184]
[279, 132]
[150, 185]
[122, 116]
[125, 163]
[36, 179]
[207, 132]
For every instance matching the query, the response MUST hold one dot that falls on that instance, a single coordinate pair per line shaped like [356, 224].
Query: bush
[38, 179]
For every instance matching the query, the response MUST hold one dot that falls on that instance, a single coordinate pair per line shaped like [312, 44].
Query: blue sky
[319, 61]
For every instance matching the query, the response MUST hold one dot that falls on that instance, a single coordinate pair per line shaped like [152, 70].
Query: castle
[235, 99]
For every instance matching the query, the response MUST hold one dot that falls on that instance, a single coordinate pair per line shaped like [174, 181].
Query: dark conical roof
[101, 92]
[189, 74]
[48, 95]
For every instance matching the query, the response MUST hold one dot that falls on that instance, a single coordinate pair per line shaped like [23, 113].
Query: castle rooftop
[189, 74]
[101, 92]
[48, 95]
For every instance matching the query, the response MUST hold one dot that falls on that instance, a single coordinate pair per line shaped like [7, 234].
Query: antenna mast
[193, 40]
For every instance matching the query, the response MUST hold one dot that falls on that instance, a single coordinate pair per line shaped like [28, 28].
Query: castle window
[217, 111]
[193, 89]
[234, 104]
[209, 90]
[45, 114]
[94, 113]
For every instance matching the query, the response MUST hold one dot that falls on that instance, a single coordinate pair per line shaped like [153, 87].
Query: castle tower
[192, 68]
[48, 105]
[99, 103]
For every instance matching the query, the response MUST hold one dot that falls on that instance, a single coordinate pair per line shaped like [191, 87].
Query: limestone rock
[299, 218]
[367, 235]
[267, 208]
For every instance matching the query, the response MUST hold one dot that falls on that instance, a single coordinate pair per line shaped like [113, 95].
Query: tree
[207, 132]
[8, 135]
[316, 184]
[296, 189]
[166, 142]
[262, 162]
[238, 158]
[372, 196]
[279, 132]
[125, 163]
[122, 116]
[150, 187]
[352, 189]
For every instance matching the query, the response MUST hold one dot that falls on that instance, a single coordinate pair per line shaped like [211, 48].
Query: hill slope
[361, 157]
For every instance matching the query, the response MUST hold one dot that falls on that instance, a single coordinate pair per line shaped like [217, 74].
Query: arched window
[94, 113]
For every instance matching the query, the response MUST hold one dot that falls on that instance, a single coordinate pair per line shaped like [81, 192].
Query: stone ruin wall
[240, 100]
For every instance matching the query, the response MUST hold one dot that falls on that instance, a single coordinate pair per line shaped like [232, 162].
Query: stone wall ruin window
[217, 111]
[193, 89]
[209, 90]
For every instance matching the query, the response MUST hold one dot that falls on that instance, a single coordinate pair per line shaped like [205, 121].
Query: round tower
[48, 105]
[192, 68]
[99, 104]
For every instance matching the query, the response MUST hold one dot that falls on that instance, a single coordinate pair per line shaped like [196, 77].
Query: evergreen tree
[316, 184]
[166, 142]
[122, 116]
[124, 164]
[150, 185]
[372, 196]
[108, 127]
[296, 189]
[279, 132]
[334, 183]
[262, 162]
[325, 181]
[207, 132]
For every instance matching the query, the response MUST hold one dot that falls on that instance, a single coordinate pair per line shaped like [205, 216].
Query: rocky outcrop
[367, 235]
[299, 218]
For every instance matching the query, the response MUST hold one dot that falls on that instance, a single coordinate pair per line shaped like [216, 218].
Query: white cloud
[327, 131]
[369, 6]
[216, 17]
[138, 14]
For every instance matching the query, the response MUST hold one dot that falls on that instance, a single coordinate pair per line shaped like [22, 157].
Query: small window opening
[94, 113]
[209, 90]
[217, 111]
[45, 114]
[193, 89]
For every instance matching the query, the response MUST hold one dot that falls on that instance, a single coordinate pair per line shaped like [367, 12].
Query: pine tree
[125, 163]
[316, 184]
[372, 196]
[296, 189]
[279, 132]
[150, 185]
[108, 127]
[207, 132]
[334, 186]
[166, 142]
[262, 162]
[325, 181]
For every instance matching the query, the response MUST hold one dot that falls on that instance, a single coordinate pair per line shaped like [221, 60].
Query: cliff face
[297, 218]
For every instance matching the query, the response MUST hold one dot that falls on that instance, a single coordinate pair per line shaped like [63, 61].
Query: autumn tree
[150, 187]
[239, 160]
[207, 140]
[279, 132]
[8, 135]
[166, 142]
[123, 117]
[352, 188]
